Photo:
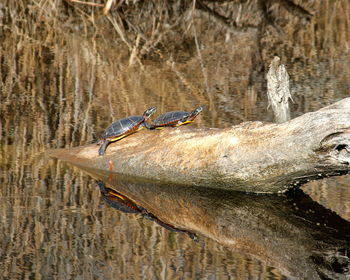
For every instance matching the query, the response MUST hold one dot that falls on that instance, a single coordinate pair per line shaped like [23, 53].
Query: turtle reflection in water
[118, 201]
[151, 217]
[175, 118]
[126, 205]
[123, 128]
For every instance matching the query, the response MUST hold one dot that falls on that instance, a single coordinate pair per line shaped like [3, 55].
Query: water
[54, 224]
[62, 88]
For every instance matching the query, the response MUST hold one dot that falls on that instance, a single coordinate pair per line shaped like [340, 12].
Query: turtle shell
[123, 126]
[171, 118]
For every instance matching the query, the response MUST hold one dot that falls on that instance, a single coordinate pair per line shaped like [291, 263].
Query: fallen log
[251, 157]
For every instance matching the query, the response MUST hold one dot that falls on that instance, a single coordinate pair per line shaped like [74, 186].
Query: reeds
[68, 70]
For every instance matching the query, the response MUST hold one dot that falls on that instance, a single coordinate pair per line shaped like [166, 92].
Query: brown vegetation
[67, 71]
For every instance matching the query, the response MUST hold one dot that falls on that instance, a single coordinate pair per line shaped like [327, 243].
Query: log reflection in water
[126, 205]
[291, 232]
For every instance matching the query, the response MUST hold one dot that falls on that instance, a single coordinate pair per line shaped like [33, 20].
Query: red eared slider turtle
[124, 127]
[175, 118]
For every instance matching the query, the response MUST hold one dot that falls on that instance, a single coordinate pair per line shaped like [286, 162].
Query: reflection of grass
[67, 71]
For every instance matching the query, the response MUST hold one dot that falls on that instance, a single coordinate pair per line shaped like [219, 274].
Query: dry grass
[67, 70]
[173, 53]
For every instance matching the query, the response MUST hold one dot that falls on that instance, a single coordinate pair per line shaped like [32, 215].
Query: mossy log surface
[252, 156]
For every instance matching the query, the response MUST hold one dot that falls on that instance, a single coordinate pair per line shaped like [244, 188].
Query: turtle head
[195, 113]
[102, 186]
[149, 112]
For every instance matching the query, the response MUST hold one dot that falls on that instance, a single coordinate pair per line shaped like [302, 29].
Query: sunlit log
[252, 156]
[278, 90]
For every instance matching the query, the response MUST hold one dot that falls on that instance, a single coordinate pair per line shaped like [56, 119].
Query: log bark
[251, 157]
[293, 233]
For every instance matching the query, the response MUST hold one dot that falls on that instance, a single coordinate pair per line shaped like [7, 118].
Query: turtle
[175, 118]
[124, 127]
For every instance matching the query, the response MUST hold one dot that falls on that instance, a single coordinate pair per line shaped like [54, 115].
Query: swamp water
[61, 87]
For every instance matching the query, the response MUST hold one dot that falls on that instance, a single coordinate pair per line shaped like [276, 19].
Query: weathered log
[278, 90]
[293, 233]
[252, 156]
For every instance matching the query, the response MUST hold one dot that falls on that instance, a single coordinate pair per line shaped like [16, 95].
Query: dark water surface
[65, 78]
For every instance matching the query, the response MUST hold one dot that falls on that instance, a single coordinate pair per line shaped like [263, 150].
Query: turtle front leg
[103, 147]
[147, 125]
